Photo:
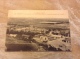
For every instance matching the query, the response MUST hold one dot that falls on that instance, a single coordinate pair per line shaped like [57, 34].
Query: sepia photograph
[40, 35]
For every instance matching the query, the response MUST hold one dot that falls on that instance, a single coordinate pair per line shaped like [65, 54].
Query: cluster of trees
[20, 32]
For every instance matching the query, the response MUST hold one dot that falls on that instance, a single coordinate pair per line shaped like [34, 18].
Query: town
[34, 38]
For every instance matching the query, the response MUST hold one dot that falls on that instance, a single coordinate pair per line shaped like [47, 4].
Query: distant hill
[37, 22]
